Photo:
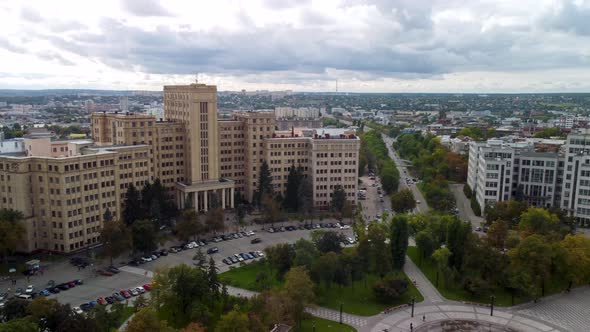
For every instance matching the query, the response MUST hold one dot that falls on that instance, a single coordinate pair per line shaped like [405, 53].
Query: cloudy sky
[365, 45]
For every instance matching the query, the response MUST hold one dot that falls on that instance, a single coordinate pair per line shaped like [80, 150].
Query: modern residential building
[64, 187]
[543, 173]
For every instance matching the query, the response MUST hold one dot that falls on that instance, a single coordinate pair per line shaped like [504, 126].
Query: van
[25, 297]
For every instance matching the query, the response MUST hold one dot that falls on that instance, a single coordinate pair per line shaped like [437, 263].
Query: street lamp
[340, 312]
[492, 299]
[412, 303]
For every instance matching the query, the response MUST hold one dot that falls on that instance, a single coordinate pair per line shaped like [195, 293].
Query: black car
[113, 269]
[63, 286]
[227, 261]
[109, 299]
[163, 252]
[254, 254]
[256, 240]
[53, 290]
[212, 250]
[85, 306]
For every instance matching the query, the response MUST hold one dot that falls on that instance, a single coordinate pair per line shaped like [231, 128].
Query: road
[464, 206]
[373, 208]
[422, 206]
[97, 286]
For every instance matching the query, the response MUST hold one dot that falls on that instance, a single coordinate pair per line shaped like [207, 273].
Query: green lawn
[322, 325]
[356, 298]
[127, 312]
[453, 292]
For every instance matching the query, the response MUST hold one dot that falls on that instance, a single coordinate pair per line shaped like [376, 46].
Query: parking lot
[101, 286]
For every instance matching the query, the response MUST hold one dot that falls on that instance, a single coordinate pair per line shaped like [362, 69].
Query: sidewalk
[428, 291]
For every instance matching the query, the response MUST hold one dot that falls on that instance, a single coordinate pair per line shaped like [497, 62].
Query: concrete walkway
[428, 291]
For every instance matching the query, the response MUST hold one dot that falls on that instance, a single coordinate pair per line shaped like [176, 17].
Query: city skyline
[364, 46]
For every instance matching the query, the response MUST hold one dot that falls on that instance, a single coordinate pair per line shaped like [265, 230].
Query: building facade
[64, 188]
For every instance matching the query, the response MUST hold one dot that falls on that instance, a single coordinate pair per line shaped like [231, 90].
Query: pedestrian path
[428, 291]
[138, 271]
[349, 319]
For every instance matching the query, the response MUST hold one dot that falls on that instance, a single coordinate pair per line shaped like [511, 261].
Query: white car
[250, 233]
[260, 253]
[29, 289]
[194, 244]
[140, 290]
[344, 227]
[77, 310]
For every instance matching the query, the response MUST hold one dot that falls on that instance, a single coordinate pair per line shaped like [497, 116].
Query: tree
[441, 257]
[575, 260]
[115, 238]
[338, 198]
[214, 221]
[305, 196]
[19, 325]
[271, 210]
[299, 290]
[329, 241]
[11, 231]
[147, 320]
[497, 234]
[457, 234]
[398, 237]
[194, 327]
[264, 183]
[390, 289]
[132, 210]
[233, 321]
[403, 201]
[189, 226]
[531, 263]
[292, 200]
[107, 216]
[325, 268]
[144, 236]
[140, 303]
[15, 308]
[158, 204]
[305, 253]
[537, 221]
[212, 280]
[509, 211]
[425, 243]
[280, 257]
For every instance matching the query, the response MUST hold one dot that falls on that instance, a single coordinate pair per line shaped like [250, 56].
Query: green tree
[509, 211]
[280, 257]
[338, 198]
[305, 253]
[548, 133]
[441, 258]
[457, 235]
[233, 321]
[11, 231]
[188, 226]
[531, 262]
[115, 238]
[497, 234]
[425, 243]
[329, 241]
[325, 268]
[271, 209]
[144, 236]
[147, 320]
[305, 197]
[537, 221]
[19, 325]
[403, 201]
[292, 200]
[264, 183]
[299, 290]
[107, 216]
[398, 239]
[575, 260]
[214, 220]
[132, 210]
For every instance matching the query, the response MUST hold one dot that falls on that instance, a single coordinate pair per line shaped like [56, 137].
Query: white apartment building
[500, 171]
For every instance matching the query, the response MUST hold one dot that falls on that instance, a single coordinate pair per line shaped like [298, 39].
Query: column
[223, 198]
[205, 203]
[196, 201]
[231, 198]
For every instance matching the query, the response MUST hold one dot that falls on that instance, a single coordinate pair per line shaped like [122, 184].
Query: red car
[147, 287]
[72, 284]
[125, 293]
[104, 273]
[101, 301]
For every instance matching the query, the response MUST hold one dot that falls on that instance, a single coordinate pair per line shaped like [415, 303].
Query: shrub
[390, 289]
[475, 206]
[467, 191]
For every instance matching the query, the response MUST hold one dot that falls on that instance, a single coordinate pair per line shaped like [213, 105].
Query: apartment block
[525, 171]
[63, 189]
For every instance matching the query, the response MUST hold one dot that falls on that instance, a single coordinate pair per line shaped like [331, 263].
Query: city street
[464, 206]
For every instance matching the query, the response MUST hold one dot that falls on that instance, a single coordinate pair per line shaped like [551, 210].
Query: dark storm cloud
[144, 8]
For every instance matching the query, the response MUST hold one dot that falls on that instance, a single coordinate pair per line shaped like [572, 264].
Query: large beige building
[64, 188]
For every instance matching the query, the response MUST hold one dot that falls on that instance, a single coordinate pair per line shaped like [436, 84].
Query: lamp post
[492, 299]
[413, 302]
[340, 312]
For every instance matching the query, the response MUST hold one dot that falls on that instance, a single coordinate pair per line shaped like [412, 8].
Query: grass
[356, 298]
[455, 292]
[322, 325]
[127, 312]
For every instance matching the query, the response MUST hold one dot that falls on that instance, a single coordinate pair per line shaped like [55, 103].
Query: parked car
[53, 290]
[146, 259]
[72, 284]
[77, 310]
[64, 286]
[125, 293]
[3, 296]
[104, 273]
[118, 297]
[133, 292]
[260, 253]
[44, 292]
[227, 261]
[30, 289]
[18, 291]
[256, 240]
[163, 252]
[113, 269]
[174, 250]
[85, 306]
[140, 289]
[253, 254]
[250, 233]
[271, 230]
[217, 239]
[110, 299]
[147, 287]
[101, 301]
[212, 250]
